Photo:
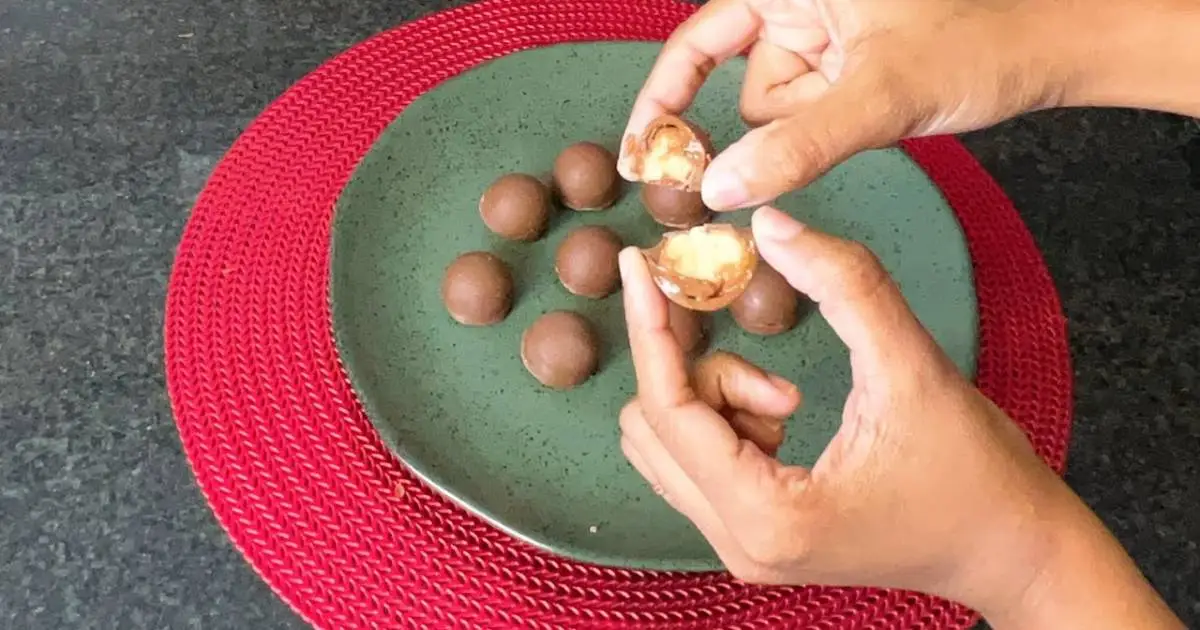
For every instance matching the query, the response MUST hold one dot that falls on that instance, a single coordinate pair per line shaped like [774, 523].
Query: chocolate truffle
[477, 289]
[586, 261]
[769, 305]
[560, 349]
[585, 176]
[704, 268]
[674, 208]
[516, 206]
[670, 152]
[689, 328]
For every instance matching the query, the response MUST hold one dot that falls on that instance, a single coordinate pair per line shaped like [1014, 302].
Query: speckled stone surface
[113, 113]
[547, 465]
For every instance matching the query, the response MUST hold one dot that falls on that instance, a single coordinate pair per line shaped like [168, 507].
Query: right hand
[829, 78]
[926, 486]
[925, 483]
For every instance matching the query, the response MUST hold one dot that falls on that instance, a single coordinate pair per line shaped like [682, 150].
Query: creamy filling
[703, 254]
[668, 158]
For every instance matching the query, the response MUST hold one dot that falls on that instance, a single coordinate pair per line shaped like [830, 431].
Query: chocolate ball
[769, 305]
[585, 176]
[689, 328]
[516, 206]
[674, 208]
[586, 261]
[477, 289]
[560, 349]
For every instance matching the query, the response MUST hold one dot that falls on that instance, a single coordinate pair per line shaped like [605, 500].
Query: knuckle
[630, 414]
[860, 257]
[671, 501]
[764, 549]
[890, 86]
[716, 361]
[754, 118]
[861, 270]
[719, 374]
[781, 540]
[797, 156]
[749, 573]
[767, 543]
[893, 98]
[741, 571]
[772, 548]
[753, 109]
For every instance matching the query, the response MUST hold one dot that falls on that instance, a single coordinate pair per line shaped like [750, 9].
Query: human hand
[926, 486]
[829, 78]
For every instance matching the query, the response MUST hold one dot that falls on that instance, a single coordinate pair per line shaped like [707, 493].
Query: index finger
[716, 32]
[698, 440]
[658, 360]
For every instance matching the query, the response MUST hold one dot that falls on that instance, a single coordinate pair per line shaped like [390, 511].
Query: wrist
[1122, 53]
[1068, 571]
[1013, 551]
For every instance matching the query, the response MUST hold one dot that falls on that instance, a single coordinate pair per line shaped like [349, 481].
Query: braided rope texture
[302, 483]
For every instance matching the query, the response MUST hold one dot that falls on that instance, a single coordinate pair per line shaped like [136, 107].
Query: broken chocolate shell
[705, 268]
[670, 152]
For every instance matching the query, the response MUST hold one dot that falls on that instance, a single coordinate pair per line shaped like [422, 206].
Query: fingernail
[771, 224]
[724, 189]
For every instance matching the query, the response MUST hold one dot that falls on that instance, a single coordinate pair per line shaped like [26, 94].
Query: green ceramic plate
[456, 404]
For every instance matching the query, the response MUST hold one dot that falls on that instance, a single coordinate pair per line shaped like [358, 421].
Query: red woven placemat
[304, 486]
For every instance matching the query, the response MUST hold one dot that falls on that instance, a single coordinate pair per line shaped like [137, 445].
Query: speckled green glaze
[456, 404]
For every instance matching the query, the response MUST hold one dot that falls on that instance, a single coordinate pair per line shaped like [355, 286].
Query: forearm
[1128, 53]
[1087, 580]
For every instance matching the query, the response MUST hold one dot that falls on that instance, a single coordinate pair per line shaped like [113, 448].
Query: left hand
[829, 78]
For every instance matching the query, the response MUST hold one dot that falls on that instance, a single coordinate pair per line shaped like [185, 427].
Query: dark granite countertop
[112, 115]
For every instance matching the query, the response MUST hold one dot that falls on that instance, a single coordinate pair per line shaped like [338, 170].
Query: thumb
[856, 295]
[856, 113]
